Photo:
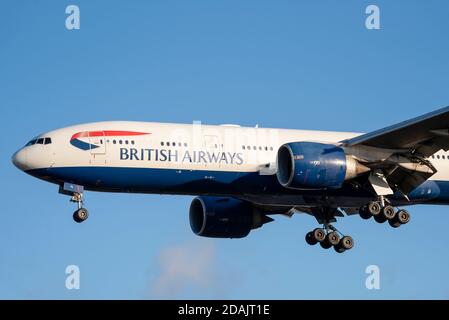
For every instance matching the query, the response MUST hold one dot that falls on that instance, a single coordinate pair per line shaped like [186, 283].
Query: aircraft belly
[245, 185]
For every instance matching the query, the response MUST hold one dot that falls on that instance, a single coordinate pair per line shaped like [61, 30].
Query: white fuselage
[194, 152]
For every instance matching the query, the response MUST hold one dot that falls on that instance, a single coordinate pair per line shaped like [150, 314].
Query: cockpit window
[44, 140]
[31, 143]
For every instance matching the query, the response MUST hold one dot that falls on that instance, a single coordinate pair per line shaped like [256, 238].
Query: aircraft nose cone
[20, 159]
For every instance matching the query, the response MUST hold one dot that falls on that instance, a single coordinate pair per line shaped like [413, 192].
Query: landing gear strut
[81, 214]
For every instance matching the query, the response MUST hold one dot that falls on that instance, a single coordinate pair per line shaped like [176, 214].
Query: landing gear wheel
[394, 223]
[310, 239]
[325, 244]
[364, 213]
[80, 215]
[403, 216]
[319, 235]
[380, 218]
[333, 238]
[374, 208]
[388, 212]
[346, 243]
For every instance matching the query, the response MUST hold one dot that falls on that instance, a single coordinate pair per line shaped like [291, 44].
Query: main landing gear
[328, 237]
[81, 214]
[382, 212]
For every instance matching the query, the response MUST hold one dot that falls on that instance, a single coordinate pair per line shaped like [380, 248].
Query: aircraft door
[97, 143]
[212, 151]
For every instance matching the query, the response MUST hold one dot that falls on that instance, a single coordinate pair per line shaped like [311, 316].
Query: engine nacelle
[219, 217]
[312, 165]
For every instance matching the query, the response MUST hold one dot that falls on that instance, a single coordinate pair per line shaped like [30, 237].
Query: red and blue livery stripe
[76, 141]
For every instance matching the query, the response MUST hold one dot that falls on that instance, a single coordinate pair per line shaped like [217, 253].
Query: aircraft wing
[398, 153]
[429, 130]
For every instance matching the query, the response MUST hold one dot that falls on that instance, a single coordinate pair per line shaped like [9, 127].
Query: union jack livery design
[76, 141]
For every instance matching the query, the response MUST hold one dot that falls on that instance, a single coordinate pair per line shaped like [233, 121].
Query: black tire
[388, 212]
[394, 223]
[380, 218]
[319, 235]
[346, 243]
[339, 249]
[333, 238]
[325, 244]
[310, 239]
[80, 215]
[403, 216]
[364, 213]
[374, 208]
[75, 218]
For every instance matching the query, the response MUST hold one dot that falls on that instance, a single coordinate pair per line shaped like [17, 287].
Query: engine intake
[219, 217]
[311, 165]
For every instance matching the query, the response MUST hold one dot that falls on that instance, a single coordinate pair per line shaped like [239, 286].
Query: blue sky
[292, 64]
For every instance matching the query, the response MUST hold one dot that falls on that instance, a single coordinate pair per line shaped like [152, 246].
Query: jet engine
[312, 165]
[219, 217]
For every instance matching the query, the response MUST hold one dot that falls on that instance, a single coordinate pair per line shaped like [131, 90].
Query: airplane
[243, 176]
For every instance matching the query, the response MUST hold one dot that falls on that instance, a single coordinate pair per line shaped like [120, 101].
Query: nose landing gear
[76, 193]
[81, 214]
